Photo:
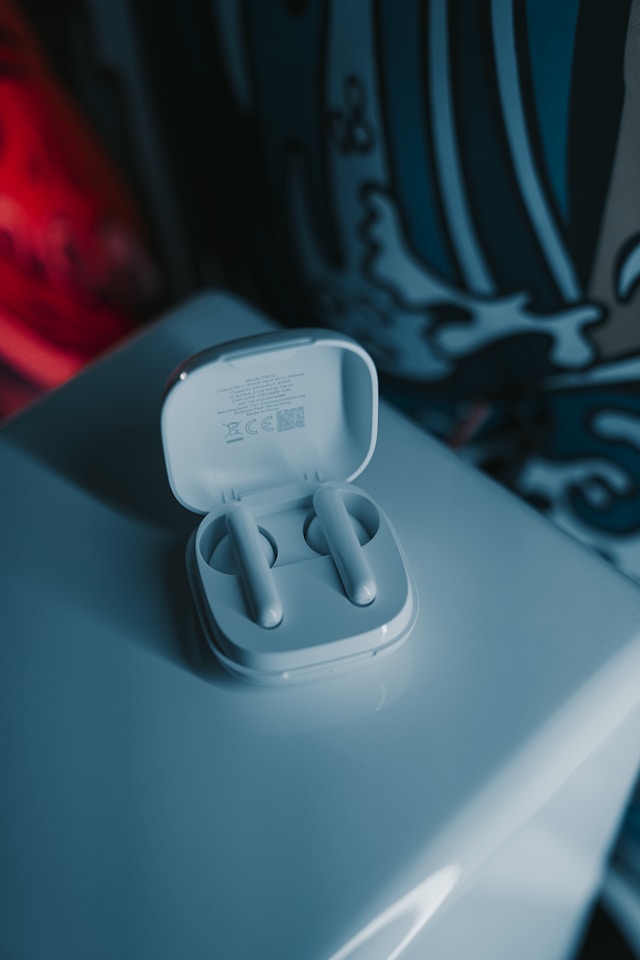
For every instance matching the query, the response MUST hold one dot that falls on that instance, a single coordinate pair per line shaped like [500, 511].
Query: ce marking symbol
[266, 424]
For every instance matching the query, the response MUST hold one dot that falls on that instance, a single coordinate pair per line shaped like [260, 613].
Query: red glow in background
[75, 272]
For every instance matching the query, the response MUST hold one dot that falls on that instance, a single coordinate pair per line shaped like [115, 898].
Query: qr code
[290, 419]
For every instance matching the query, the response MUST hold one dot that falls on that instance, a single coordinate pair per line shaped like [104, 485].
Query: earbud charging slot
[217, 550]
[365, 520]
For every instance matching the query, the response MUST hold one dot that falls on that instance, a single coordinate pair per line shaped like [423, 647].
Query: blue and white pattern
[435, 181]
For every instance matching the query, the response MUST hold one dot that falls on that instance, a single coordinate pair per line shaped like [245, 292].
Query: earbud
[258, 581]
[347, 553]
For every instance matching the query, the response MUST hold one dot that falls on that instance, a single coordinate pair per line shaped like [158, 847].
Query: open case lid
[268, 410]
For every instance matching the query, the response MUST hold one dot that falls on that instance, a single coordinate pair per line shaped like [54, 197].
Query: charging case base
[265, 422]
[322, 632]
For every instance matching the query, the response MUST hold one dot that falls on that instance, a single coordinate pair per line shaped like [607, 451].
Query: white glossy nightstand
[455, 799]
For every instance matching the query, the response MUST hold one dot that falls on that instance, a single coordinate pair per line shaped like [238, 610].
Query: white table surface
[153, 806]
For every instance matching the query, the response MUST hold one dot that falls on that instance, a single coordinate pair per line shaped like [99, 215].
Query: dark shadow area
[603, 940]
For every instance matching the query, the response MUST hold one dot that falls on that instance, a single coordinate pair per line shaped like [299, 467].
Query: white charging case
[265, 422]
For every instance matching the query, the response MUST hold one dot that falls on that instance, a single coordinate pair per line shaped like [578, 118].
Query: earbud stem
[347, 553]
[257, 578]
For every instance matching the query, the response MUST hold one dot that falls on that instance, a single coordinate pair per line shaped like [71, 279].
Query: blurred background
[109, 201]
